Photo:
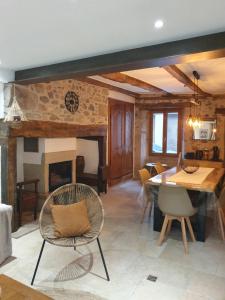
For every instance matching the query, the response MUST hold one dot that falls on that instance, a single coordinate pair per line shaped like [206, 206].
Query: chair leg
[169, 226]
[190, 229]
[35, 208]
[220, 216]
[150, 209]
[103, 260]
[39, 258]
[75, 248]
[163, 230]
[184, 234]
[144, 211]
[223, 215]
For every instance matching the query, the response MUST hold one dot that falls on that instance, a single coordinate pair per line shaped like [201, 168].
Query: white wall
[59, 144]
[6, 75]
[89, 149]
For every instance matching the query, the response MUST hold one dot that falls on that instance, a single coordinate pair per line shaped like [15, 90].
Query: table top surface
[208, 185]
[12, 289]
[153, 164]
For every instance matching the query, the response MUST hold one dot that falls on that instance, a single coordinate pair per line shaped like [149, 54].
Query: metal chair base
[40, 254]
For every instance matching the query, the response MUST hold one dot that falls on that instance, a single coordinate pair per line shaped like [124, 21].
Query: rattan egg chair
[68, 194]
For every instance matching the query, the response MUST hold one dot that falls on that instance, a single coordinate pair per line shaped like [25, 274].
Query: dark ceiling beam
[189, 97]
[108, 86]
[183, 78]
[181, 51]
[123, 78]
[154, 106]
[164, 97]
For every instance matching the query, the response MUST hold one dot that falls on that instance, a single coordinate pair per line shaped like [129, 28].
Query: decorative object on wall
[71, 101]
[14, 114]
[207, 130]
[195, 119]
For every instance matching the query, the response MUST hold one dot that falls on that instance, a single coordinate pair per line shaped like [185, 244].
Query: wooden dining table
[201, 194]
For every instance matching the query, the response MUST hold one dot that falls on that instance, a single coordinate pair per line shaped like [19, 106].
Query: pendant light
[14, 114]
[195, 119]
[190, 118]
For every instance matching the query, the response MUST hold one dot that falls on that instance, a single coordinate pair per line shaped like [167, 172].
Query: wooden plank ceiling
[168, 82]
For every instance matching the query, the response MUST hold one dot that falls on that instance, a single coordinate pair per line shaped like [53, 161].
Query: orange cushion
[70, 220]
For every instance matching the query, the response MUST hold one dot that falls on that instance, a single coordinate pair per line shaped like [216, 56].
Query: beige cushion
[70, 220]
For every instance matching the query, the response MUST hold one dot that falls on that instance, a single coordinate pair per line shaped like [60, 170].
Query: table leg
[158, 216]
[201, 217]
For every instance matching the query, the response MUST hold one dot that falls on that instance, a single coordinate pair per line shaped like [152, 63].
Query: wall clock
[71, 101]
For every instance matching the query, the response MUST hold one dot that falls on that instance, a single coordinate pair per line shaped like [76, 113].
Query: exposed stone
[53, 117]
[39, 87]
[26, 98]
[50, 95]
[42, 107]
[44, 99]
[91, 107]
[54, 102]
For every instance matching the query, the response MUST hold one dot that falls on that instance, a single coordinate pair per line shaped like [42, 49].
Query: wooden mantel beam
[48, 129]
[123, 78]
[183, 78]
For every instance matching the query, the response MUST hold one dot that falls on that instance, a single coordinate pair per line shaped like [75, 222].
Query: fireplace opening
[59, 174]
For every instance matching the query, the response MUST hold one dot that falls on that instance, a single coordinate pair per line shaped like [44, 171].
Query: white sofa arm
[5, 231]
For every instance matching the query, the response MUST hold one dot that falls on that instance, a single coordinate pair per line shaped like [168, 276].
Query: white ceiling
[212, 78]
[40, 32]
[212, 74]
[124, 86]
[160, 78]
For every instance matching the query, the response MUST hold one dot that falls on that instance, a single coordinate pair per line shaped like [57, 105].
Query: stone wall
[208, 106]
[46, 102]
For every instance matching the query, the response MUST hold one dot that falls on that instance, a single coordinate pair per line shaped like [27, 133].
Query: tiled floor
[131, 254]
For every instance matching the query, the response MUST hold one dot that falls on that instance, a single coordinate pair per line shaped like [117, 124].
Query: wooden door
[116, 140]
[128, 139]
[120, 139]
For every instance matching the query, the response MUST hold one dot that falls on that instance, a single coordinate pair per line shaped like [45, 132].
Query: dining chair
[175, 203]
[159, 168]
[144, 175]
[220, 203]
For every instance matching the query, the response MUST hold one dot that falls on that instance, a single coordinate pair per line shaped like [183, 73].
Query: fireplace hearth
[60, 173]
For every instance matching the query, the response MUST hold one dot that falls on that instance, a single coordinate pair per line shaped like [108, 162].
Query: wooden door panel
[128, 132]
[116, 134]
[120, 138]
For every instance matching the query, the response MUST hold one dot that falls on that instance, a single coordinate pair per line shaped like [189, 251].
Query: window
[165, 132]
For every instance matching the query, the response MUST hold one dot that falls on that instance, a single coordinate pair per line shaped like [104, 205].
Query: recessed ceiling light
[159, 24]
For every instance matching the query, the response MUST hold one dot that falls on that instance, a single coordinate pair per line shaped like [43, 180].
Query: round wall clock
[71, 101]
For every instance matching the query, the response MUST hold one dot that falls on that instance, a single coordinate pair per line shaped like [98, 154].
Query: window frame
[179, 131]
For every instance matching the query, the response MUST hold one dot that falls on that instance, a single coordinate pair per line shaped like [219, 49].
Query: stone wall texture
[208, 106]
[46, 102]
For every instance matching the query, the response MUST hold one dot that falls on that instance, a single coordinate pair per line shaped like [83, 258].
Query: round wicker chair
[68, 194]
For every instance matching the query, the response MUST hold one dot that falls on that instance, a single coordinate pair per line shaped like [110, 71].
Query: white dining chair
[175, 204]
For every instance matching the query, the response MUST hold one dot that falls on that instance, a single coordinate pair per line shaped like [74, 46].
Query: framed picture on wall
[203, 133]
